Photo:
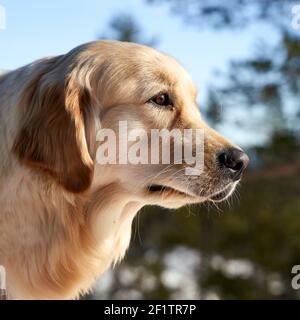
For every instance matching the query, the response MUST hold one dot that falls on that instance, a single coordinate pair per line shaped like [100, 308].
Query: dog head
[101, 85]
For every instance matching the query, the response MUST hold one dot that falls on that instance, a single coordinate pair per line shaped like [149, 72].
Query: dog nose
[234, 161]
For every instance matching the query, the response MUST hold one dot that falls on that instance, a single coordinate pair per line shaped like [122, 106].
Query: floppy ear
[52, 137]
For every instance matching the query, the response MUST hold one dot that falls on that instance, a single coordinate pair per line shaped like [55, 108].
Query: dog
[64, 219]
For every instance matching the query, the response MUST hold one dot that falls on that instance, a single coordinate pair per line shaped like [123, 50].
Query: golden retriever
[64, 219]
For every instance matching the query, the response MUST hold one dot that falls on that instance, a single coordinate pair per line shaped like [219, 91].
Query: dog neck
[67, 241]
[111, 211]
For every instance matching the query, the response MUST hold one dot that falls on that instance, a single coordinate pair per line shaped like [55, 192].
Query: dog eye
[162, 100]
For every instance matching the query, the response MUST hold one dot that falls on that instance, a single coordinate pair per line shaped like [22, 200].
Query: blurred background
[245, 59]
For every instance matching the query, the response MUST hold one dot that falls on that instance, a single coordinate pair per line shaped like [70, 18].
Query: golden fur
[63, 219]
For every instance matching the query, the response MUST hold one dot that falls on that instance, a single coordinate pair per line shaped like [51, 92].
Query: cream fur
[58, 235]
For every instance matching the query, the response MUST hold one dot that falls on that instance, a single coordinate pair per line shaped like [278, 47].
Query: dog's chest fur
[53, 244]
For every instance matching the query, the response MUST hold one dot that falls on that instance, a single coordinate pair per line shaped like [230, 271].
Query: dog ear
[52, 137]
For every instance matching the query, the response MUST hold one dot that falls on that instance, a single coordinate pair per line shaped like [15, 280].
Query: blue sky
[35, 29]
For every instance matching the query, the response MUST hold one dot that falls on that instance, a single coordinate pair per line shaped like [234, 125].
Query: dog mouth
[223, 194]
[158, 189]
[166, 190]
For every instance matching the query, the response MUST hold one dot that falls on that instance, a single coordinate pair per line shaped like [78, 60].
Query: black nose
[234, 161]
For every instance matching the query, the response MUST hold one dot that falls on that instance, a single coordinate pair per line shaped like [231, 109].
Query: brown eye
[162, 99]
